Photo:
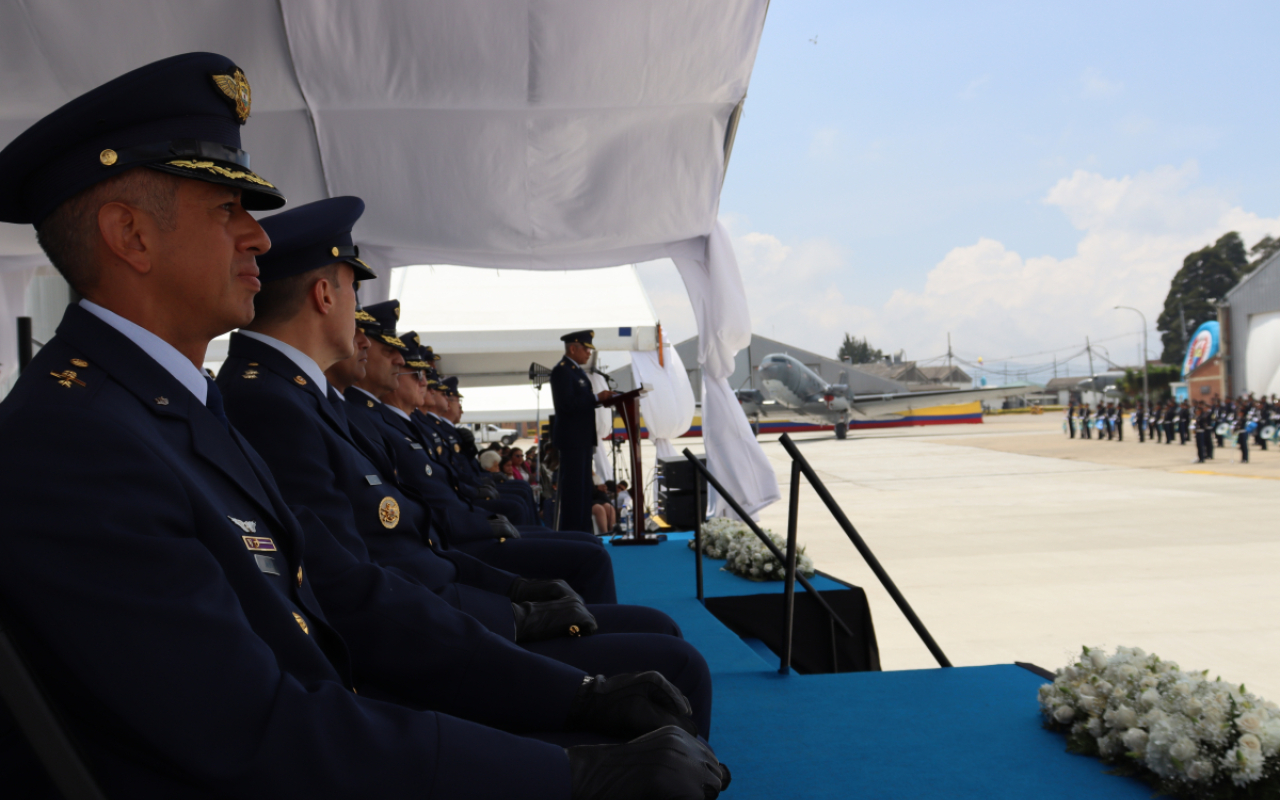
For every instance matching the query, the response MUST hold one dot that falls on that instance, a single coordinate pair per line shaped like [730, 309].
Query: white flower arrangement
[1189, 736]
[745, 554]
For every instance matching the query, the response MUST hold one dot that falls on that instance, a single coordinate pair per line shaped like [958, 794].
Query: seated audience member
[490, 461]
[305, 323]
[197, 634]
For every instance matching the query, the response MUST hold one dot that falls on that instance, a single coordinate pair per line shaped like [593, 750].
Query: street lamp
[1146, 394]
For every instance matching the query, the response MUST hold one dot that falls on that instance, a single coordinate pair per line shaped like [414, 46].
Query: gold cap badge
[236, 88]
[389, 512]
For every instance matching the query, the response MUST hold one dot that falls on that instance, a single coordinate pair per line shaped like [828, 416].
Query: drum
[1251, 426]
[1269, 432]
[1133, 420]
[1065, 428]
[1101, 425]
[1223, 429]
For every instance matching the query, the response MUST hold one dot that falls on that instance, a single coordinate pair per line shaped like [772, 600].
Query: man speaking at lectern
[574, 433]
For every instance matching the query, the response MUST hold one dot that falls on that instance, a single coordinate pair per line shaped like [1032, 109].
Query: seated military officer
[183, 618]
[378, 403]
[276, 394]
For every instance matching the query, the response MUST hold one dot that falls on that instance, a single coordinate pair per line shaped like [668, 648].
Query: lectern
[628, 405]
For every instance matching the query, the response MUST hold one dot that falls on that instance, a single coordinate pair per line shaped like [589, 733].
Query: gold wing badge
[236, 87]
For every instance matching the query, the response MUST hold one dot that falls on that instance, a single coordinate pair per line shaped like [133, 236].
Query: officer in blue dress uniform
[285, 407]
[574, 432]
[198, 636]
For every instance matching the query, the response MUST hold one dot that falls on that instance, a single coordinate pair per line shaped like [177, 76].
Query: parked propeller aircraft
[795, 389]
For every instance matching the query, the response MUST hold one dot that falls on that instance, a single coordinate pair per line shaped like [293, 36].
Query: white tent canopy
[534, 134]
[487, 325]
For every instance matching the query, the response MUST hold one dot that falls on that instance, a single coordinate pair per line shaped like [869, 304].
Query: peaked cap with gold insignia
[180, 115]
[383, 329]
[581, 337]
[313, 236]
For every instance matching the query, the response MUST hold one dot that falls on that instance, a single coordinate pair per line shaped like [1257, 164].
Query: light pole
[1146, 394]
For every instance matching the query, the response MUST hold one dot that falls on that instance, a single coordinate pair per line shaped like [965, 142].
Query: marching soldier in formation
[1086, 430]
[198, 632]
[1071, 421]
[1140, 421]
[1170, 416]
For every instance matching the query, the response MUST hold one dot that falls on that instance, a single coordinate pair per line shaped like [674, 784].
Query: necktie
[213, 402]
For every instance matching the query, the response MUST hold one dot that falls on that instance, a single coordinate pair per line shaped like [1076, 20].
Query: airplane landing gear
[842, 430]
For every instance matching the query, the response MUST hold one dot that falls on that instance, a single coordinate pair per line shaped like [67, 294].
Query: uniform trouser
[1243, 439]
[1085, 432]
[1120, 429]
[1220, 444]
[1208, 444]
[1071, 426]
[510, 508]
[585, 566]
[1182, 433]
[1168, 433]
[1142, 430]
[573, 494]
[1258, 440]
[1200, 448]
[662, 650]
[1111, 429]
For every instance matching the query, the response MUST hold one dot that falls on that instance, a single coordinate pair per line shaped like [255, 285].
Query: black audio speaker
[675, 484]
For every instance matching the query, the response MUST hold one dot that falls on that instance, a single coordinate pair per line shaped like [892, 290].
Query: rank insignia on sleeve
[259, 544]
[248, 526]
[67, 377]
[389, 512]
[249, 373]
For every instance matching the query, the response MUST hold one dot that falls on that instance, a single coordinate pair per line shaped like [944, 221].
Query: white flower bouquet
[745, 554]
[1187, 735]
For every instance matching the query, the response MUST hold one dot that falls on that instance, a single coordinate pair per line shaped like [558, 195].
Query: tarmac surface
[1013, 542]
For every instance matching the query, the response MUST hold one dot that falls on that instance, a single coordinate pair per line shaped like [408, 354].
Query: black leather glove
[524, 590]
[550, 620]
[667, 764]
[502, 528]
[628, 705]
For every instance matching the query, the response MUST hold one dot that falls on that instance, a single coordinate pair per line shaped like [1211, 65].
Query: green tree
[1206, 275]
[1266, 247]
[1158, 379]
[858, 351]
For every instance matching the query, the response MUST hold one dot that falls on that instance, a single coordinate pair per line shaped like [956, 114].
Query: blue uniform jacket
[416, 467]
[185, 665]
[575, 402]
[319, 464]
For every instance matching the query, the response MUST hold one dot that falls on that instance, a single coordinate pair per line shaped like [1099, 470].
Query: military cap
[413, 356]
[383, 328]
[451, 386]
[181, 115]
[313, 236]
[581, 337]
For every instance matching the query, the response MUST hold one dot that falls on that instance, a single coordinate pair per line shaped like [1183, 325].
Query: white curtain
[668, 407]
[604, 426]
[724, 327]
[1262, 353]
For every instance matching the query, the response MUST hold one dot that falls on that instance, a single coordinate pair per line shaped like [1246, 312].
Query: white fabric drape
[724, 327]
[604, 426]
[668, 407]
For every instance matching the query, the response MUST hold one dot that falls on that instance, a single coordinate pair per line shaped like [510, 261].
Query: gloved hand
[628, 705]
[502, 528]
[667, 764]
[552, 619]
[526, 590]
[487, 493]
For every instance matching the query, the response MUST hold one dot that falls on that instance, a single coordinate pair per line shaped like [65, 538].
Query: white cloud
[1134, 232]
[1094, 84]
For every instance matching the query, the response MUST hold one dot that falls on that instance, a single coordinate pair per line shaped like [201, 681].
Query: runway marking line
[1228, 474]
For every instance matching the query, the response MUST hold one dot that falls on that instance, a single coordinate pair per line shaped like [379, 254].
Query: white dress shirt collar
[367, 394]
[300, 359]
[400, 412]
[164, 354]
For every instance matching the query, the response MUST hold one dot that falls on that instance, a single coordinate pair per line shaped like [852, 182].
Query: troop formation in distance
[1210, 424]
[290, 581]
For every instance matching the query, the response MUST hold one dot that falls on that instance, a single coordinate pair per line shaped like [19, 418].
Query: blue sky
[1009, 172]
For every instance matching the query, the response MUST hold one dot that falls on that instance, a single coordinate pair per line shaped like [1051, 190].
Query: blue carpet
[965, 732]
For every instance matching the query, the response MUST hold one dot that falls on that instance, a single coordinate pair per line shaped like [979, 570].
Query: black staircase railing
[800, 466]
